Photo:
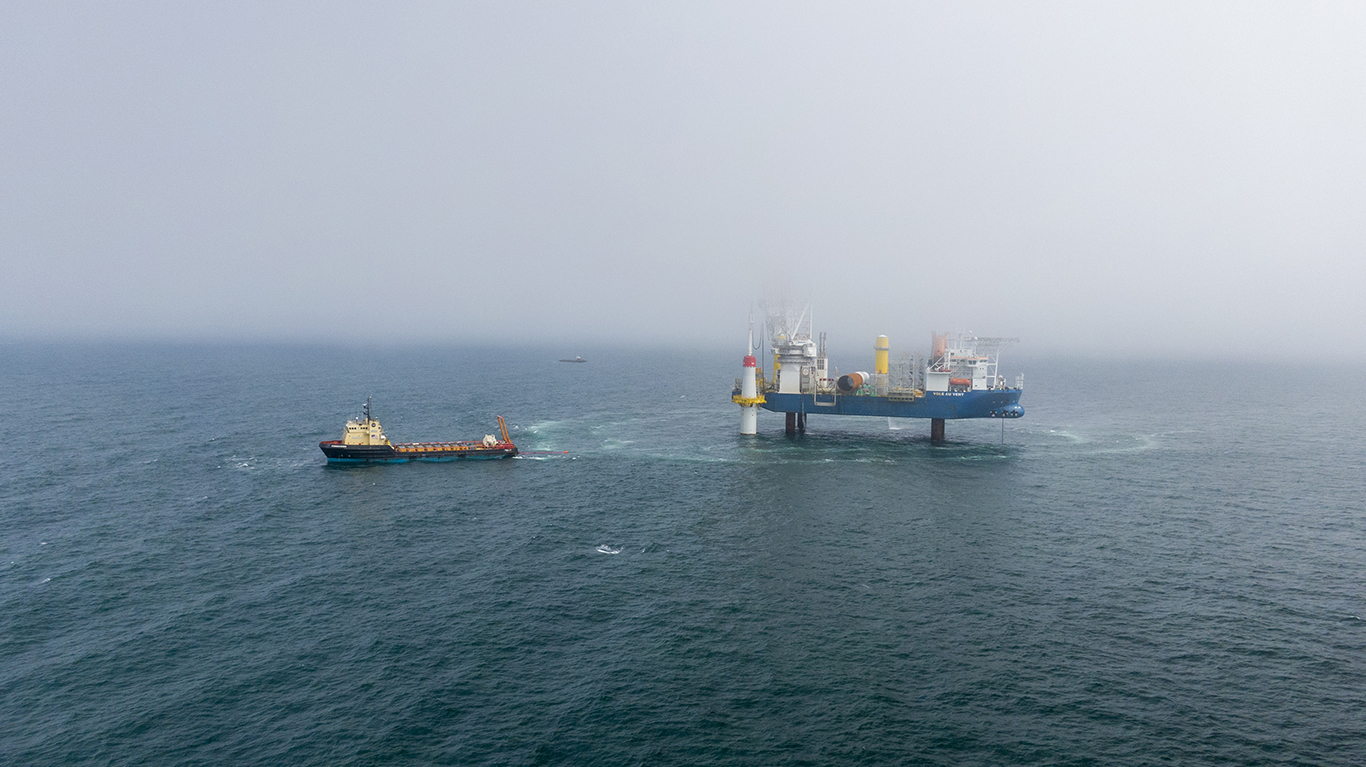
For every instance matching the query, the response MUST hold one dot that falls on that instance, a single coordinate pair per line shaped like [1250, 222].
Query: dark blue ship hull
[988, 403]
[337, 452]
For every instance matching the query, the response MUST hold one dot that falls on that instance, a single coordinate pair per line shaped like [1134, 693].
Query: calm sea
[1160, 564]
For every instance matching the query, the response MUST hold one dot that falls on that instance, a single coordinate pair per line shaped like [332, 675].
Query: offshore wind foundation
[959, 378]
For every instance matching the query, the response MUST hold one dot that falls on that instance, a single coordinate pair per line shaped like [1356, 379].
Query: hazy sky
[1094, 177]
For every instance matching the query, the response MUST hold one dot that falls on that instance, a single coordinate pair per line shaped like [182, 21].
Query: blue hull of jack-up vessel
[990, 403]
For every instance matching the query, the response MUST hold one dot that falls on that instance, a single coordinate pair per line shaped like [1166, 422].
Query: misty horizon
[1145, 180]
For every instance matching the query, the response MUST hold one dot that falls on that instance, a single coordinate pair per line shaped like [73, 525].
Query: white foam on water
[1143, 442]
[605, 549]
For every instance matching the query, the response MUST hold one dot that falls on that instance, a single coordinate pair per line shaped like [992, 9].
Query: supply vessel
[364, 442]
[960, 378]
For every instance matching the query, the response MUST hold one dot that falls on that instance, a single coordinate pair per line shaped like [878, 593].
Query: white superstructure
[365, 431]
[966, 363]
[795, 368]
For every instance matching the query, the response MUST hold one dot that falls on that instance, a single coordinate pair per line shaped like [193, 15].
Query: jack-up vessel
[959, 379]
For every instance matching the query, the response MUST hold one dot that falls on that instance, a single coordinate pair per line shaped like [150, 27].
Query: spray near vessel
[364, 442]
[959, 378]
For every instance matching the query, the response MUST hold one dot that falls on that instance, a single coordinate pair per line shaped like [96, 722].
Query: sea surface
[1161, 563]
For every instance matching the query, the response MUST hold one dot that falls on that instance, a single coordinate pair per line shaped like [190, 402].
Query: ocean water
[1161, 563]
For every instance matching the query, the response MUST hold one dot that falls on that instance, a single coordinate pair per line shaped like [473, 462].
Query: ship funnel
[848, 383]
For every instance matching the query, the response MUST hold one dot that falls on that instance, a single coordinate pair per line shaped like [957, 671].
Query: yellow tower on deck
[880, 350]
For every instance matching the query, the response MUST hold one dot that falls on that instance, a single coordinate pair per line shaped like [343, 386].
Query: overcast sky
[1093, 177]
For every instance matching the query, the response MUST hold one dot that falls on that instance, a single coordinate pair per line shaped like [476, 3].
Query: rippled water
[1160, 563]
